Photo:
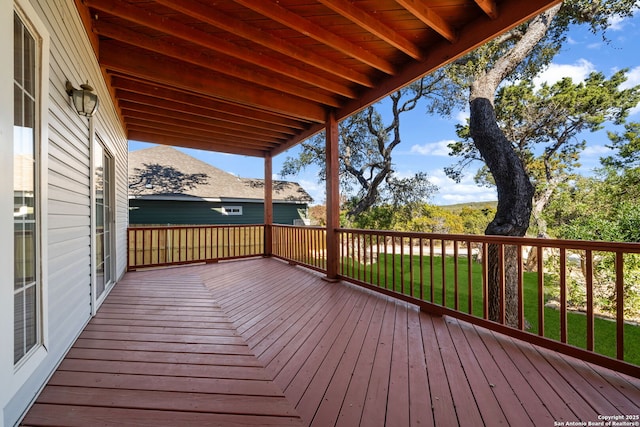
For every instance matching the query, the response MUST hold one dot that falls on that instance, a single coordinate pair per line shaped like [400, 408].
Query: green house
[169, 187]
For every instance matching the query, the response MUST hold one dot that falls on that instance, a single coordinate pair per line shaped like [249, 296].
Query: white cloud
[439, 148]
[462, 116]
[616, 23]
[596, 150]
[633, 78]
[556, 72]
[465, 191]
[316, 190]
[449, 192]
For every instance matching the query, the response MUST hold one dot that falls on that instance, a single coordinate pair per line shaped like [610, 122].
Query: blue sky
[425, 138]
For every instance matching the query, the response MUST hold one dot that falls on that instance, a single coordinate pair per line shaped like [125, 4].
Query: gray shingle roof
[165, 171]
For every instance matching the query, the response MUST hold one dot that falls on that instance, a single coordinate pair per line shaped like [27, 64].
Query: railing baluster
[521, 324]
[444, 271]
[359, 255]
[485, 280]
[501, 279]
[370, 268]
[401, 266]
[563, 295]
[431, 275]
[540, 291]
[412, 293]
[343, 237]
[421, 268]
[385, 274]
[619, 305]
[455, 275]
[378, 260]
[469, 277]
[135, 248]
[393, 263]
[589, 285]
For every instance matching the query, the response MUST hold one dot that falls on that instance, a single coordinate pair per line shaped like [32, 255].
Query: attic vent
[232, 210]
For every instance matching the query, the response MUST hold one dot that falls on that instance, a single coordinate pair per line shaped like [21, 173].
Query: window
[26, 218]
[232, 210]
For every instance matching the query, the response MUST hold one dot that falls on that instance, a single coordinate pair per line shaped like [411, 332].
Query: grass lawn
[390, 266]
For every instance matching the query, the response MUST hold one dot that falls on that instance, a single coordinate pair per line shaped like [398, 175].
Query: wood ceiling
[255, 77]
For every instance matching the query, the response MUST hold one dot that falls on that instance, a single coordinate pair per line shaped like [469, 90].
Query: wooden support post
[268, 204]
[333, 196]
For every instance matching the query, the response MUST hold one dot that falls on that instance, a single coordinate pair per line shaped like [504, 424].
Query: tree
[627, 147]
[601, 208]
[544, 124]
[366, 147]
[518, 54]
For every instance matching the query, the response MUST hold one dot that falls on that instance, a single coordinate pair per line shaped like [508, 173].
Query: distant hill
[473, 205]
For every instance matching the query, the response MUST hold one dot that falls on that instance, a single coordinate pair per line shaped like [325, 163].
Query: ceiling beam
[200, 58]
[203, 104]
[195, 113]
[429, 17]
[474, 34]
[367, 21]
[168, 118]
[176, 129]
[199, 80]
[152, 137]
[489, 7]
[184, 32]
[218, 19]
[274, 11]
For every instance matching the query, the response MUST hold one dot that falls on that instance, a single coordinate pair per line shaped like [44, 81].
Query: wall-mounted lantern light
[84, 100]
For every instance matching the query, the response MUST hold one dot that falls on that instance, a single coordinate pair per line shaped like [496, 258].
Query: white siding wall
[69, 196]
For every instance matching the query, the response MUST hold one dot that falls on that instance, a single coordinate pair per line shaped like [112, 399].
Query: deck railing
[584, 295]
[164, 246]
[301, 245]
[578, 297]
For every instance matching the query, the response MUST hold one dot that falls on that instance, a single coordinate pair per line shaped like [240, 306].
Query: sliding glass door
[103, 218]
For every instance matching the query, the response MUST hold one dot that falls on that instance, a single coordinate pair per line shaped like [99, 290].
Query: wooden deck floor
[259, 342]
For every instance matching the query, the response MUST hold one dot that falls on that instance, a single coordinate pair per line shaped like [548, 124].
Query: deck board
[354, 400]
[519, 405]
[260, 342]
[161, 351]
[491, 411]
[444, 412]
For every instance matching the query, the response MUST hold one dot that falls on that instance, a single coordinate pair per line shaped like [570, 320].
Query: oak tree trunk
[515, 193]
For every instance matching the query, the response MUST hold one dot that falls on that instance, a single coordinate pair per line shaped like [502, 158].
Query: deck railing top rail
[596, 245]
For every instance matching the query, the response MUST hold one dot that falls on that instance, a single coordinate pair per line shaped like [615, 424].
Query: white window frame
[96, 301]
[232, 210]
[27, 365]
